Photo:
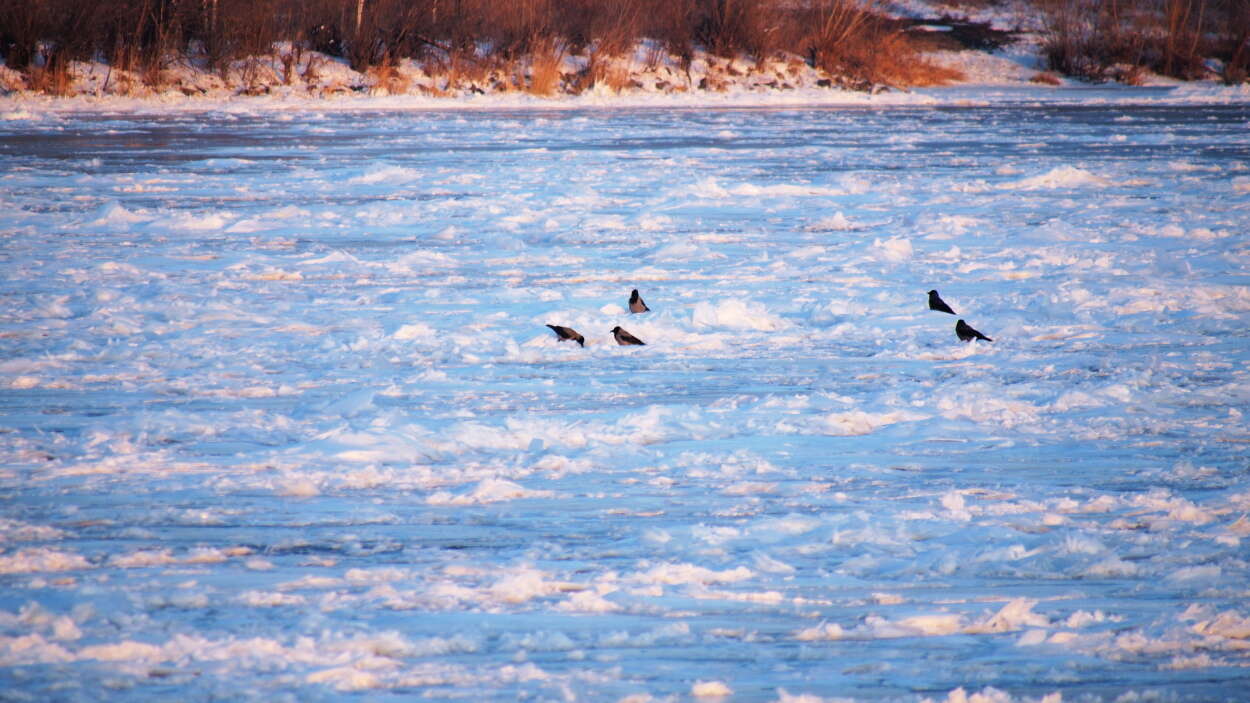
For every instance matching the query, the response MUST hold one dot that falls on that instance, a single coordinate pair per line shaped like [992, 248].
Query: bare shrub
[479, 42]
[289, 60]
[596, 72]
[491, 45]
[52, 77]
[613, 27]
[1130, 75]
[1094, 40]
[898, 63]
[513, 28]
[732, 27]
[23, 25]
[545, 70]
[1232, 45]
[312, 73]
[1046, 78]
[653, 56]
[833, 23]
[466, 70]
[1085, 37]
[388, 79]
[850, 39]
[44, 37]
[1182, 33]
[670, 23]
[11, 81]
[234, 30]
[617, 78]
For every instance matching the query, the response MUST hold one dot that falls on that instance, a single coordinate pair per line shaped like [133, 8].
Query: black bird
[967, 334]
[636, 304]
[568, 333]
[624, 338]
[936, 303]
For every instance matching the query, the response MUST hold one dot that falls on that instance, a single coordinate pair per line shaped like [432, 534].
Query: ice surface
[281, 419]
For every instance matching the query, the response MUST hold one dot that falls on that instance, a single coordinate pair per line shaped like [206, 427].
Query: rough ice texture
[281, 413]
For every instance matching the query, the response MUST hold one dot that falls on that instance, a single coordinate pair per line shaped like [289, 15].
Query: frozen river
[280, 418]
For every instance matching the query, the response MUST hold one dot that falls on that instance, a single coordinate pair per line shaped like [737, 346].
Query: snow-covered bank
[991, 92]
[985, 53]
[649, 77]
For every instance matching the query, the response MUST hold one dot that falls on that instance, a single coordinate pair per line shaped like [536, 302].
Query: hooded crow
[568, 333]
[936, 303]
[967, 334]
[636, 304]
[624, 338]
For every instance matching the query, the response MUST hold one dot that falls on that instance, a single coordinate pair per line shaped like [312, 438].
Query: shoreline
[28, 106]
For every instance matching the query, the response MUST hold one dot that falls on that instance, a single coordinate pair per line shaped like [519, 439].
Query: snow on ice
[282, 418]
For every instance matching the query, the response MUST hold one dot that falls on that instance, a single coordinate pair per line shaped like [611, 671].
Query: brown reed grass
[513, 45]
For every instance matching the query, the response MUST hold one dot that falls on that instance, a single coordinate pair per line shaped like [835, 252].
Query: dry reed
[485, 44]
[1125, 40]
[545, 70]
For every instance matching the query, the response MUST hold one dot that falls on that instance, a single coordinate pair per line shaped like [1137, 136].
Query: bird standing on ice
[568, 333]
[936, 303]
[624, 338]
[966, 334]
[636, 304]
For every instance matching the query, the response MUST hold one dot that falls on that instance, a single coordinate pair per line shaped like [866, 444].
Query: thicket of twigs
[1122, 39]
[1091, 39]
[142, 37]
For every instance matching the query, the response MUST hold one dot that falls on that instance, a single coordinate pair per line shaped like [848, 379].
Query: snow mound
[1059, 177]
[489, 491]
[737, 314]
[393, 175]
[861, 423]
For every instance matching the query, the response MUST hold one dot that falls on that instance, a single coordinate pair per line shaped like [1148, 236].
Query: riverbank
[934, 53]
[38, 107]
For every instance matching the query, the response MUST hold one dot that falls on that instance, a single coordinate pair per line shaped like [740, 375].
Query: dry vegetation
[487, 44]
[1123, 40]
